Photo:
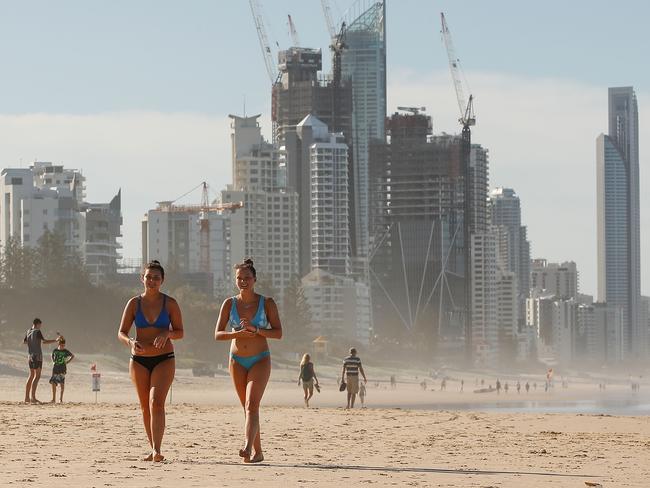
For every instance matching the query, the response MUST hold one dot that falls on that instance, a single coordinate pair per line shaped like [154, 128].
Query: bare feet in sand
[246, 454]
[257, 458]
[157, 457]
[34, 401]
[149, 457]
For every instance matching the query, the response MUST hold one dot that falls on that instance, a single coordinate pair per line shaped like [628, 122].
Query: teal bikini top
[260, 321]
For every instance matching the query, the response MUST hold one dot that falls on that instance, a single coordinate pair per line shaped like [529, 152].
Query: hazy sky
[137, 93]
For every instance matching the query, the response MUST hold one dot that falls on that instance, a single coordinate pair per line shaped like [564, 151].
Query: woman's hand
[246, 325]
[160, 341]
[136, 347]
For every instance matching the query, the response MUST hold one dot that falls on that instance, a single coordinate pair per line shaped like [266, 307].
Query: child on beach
[60, 358]
[362, 394]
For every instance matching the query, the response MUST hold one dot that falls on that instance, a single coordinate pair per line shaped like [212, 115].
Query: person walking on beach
[60, 359]
[252, 319]
[158, 321]
[351, 369]
[498, 386]
[308, 378]
[527, 387]
[34, 339]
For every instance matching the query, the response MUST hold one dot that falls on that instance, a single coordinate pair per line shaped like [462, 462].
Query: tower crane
[327, 12]
[203, 209]
[294, 33]
[270, 64]
[466, 109]
[467, 120]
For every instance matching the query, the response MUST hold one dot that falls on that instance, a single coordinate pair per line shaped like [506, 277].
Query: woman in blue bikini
[157, 319]
[252, 319]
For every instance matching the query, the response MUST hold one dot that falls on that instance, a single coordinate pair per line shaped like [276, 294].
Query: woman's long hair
[305, 360]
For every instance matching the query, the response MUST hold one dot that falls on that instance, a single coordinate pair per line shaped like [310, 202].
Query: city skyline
[539, 123]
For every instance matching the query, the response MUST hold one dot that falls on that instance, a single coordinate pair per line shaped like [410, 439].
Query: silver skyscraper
[617, 161]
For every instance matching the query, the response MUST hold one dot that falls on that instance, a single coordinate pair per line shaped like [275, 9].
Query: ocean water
[620, 404]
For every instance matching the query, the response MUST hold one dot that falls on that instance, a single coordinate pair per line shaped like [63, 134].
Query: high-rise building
[617, 166]
[557, 279]
[103, 223]
[328, 160]
[485, 294]
[192, 241]
[308, 174]
[417, 265]
[302, 90]
[267, 228]
[363, 62]
[514, 248]
[50, 197]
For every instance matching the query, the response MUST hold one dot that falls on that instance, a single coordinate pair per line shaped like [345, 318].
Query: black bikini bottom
[150, 362]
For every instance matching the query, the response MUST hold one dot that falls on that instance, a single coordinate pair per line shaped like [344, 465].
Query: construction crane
[327, 12]
[337, 47]
[269, 62]
[467, 120]
[413, 110]
[203, 209]
[294, 33]
[466, 109]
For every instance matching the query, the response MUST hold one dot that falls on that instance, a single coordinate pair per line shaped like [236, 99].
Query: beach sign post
[96, 378]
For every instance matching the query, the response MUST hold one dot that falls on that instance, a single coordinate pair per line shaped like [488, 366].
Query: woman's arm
[220, 333]
[176, 317]
[125, 326]
[271, 309]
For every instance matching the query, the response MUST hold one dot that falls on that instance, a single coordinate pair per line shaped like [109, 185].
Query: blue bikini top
[162, 322]
[260, 321]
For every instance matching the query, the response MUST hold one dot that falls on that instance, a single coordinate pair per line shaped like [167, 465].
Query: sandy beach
[98, 445]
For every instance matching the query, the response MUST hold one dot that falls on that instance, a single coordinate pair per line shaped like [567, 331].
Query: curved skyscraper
[364, 62]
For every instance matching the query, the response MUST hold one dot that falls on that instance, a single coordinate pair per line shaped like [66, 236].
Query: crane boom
[256, 10]
[294, 34]
[465, 109]
[327, 12]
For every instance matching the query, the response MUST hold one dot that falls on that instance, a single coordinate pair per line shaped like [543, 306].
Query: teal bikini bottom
[247, 362]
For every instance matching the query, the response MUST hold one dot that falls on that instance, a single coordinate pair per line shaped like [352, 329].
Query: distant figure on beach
[518, 387]
[462, 385]
[351, 369]
[498, 386]
[362, 394]
[34, 339]
[252, 319]
[443, 384]
[393, 382]
[158, 321]
[423, 384]
[308, 377]
[60, 358]
[535, 385]
[527, 386]
[506, 387]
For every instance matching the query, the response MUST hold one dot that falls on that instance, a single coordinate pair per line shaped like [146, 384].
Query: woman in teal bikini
[157, 319]
[252, 319]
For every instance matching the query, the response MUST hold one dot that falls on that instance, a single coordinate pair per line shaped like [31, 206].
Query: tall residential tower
[617, 164]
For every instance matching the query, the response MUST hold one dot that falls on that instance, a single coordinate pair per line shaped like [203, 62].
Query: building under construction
[417, 208]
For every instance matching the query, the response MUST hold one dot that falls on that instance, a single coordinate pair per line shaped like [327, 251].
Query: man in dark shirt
[34, 338]
[350, 374]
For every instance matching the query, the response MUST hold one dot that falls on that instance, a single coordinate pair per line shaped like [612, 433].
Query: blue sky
[144, 88]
